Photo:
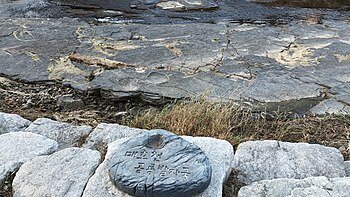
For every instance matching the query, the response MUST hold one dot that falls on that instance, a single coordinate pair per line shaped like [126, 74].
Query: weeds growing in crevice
[6, 185]
[232, 185]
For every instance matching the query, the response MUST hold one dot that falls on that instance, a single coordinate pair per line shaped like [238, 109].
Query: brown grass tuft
[195, 118]
[232, 123]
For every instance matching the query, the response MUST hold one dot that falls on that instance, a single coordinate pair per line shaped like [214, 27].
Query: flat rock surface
[220, 154]
[64, 173]
[330, 106]
[101, 184]
[12, 123]
[283, 66]
[65, 134]
[28, 44]
[159, 50]
[19, 147]
[162, 163]
[266, 160]
[104, 134]
[312, 186]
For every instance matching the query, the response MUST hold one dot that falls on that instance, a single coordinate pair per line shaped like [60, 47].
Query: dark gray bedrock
[160, 164]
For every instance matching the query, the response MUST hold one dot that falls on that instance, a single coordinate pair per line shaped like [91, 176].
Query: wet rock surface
[162, 164]
[306, 3]
[156, 11]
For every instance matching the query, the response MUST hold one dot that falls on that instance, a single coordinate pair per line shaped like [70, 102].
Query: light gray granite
[308, 187]
[266, 160]
[65, 134]
[19, 147]
[64, 173]
[12, 123]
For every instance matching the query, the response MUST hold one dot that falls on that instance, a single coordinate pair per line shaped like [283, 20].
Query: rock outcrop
[281, 69]
[155, 51]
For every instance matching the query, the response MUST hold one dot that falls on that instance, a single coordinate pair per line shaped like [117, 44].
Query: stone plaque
[159, 163]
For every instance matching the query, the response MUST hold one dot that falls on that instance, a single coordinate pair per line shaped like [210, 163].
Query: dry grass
[229, 122]
[196, 118]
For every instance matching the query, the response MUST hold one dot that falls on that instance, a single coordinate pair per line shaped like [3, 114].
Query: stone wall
[51, 158]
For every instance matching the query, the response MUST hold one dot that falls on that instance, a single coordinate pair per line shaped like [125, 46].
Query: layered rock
[330, 106]
[160, 62]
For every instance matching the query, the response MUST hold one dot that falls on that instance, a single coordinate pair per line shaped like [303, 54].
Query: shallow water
[309, 3]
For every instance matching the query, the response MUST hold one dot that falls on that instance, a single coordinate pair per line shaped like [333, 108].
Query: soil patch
[40, 100]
